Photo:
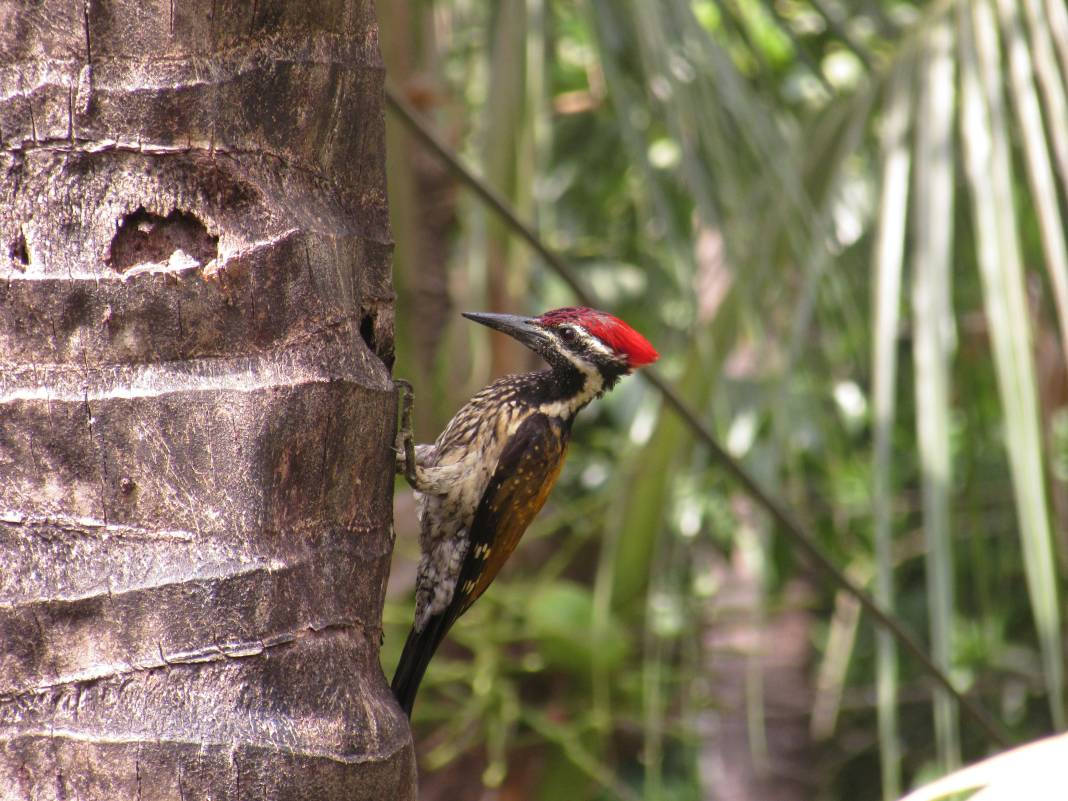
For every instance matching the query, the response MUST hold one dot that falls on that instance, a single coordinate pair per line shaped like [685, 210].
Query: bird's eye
[569, 335]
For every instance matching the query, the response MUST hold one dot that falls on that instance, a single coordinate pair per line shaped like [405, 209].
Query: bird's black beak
[525, 329]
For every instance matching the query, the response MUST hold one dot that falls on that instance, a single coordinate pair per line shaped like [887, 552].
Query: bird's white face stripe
[587, 368]
[594, 380]
[594, 343]
[590, 341]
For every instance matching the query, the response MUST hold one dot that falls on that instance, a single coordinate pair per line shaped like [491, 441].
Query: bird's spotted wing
[526, 472]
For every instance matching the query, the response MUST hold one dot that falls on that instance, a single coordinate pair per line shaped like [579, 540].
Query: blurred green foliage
[714, 169]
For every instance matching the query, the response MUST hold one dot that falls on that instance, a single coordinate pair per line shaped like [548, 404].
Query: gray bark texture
[196, 412]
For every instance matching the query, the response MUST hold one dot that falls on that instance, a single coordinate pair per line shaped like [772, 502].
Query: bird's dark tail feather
[419, 648]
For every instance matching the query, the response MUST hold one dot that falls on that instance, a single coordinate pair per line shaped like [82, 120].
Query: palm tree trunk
[196, 410]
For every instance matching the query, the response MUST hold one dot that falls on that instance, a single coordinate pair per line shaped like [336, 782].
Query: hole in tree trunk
[19, 252]
[175, 242]
[375, 333]
[367, 329]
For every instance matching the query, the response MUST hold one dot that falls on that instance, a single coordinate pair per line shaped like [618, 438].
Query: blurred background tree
[843, 226]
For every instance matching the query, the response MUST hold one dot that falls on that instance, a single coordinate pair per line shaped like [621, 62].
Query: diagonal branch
[804, 541]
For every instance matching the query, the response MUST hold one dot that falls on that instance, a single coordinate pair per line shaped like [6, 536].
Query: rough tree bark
[195, 405]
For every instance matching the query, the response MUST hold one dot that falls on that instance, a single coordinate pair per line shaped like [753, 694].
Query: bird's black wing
[526, 471]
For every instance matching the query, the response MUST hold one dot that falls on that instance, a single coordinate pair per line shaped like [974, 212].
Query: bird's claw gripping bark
[405, 444]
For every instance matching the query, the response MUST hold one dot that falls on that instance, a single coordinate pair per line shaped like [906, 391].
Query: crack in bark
[202, 578]
[33, 122]
[137, 770]
[329, 50]
[209, 655]
[70, 112]
[90, 527]
[61, 785]
[246, 373]
[402, 741]
[88, 38]
[101, 457]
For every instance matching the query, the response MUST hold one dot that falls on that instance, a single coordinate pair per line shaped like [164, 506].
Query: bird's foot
[405, 443]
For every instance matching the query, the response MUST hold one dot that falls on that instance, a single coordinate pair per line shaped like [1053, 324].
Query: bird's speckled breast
[474, 446]
[471, 445]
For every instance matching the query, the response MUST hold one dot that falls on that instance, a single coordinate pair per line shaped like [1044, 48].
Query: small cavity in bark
[367, 329]
[19, 252]
[148, 241]
[375, 332]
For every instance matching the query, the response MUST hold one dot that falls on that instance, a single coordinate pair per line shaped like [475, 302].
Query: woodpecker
[489, 472]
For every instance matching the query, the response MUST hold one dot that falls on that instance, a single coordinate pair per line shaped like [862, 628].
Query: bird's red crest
[612, 331]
